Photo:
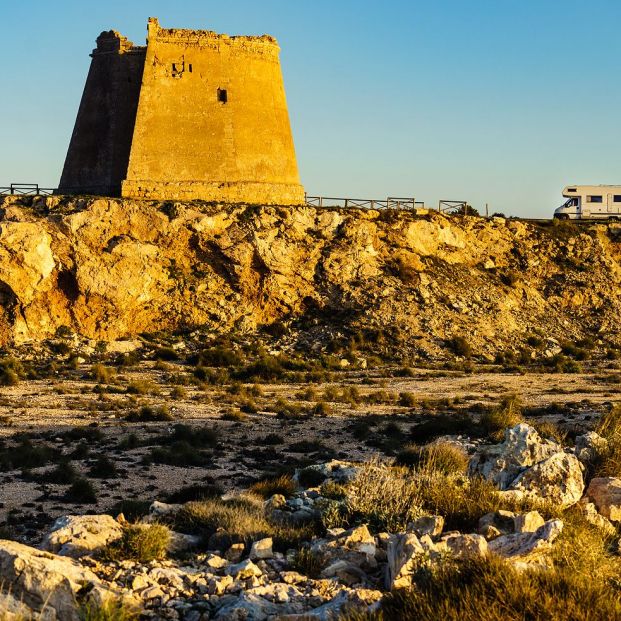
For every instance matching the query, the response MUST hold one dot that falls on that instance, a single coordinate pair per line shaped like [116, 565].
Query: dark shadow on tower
[98, 154]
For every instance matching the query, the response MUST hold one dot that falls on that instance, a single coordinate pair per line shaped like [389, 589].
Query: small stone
[528, 522]
[243, 570]
[234, 553]
[431, 525]
[262, 549]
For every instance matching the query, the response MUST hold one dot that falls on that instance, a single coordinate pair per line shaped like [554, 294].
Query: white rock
[590, 446]
[404, 553]
[528, 522]
[243, 570]
[502, 463]
[261, 549]
[78, 535]
[557, 478]
[527, 546]
[463, 546]
[42, 580]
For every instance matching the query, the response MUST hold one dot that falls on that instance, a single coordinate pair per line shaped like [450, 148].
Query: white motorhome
[590, 201]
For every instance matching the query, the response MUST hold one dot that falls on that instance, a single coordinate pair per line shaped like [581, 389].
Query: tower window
[222, 95]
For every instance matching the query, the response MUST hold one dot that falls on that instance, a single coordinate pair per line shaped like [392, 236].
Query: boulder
[605, 492]
[45, 581]
[557, 478]
[243, 570]
[527, 546]
[590, 446]
[79, 535]
[404, 554]
[502, 463]
[463, 546]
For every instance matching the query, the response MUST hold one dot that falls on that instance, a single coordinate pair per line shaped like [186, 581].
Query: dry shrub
[489, 589]
[103, 374]
[240, 519]
[609, 427]
[508, 414]
[586, 550]
[387, 498]
[284, 485]
[444, 457]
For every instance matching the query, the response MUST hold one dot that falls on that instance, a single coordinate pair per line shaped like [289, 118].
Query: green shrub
[407, 400]
[103, 468]
[64, 473]
[218, 356]
[148, 414]
[234, 415]
[609, 427]
[178, 392]
[195, 492]
[143, 387]
[165, 353]
[82, 492]
[132, 509]
[139, 542]
[307, 563]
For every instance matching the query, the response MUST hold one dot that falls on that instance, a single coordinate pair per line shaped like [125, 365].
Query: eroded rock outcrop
[110, 268]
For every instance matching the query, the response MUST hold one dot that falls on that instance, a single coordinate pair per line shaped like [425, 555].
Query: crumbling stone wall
[98, 153]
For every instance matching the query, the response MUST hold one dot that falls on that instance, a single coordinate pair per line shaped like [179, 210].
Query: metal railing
[392, 202]
[451, 206]
[31, 189]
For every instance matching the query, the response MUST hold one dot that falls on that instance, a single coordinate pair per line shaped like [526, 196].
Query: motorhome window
[617, 198]
[594, 199]
[571, 189]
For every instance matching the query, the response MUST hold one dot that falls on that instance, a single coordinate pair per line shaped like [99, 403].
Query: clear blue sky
[497, 101]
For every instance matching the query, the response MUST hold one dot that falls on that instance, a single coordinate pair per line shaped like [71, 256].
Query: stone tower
[194, 115]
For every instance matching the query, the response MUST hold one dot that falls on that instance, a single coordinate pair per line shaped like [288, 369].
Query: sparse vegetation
[139, 542]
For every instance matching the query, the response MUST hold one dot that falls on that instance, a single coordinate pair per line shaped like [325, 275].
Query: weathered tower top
[194, 115]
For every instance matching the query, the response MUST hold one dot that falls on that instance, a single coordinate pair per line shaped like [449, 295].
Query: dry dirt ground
[232, 436]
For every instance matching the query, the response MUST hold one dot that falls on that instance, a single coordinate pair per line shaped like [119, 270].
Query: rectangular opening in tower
[222, 95]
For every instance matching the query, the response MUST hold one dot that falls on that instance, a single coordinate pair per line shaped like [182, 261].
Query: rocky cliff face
[109, 268]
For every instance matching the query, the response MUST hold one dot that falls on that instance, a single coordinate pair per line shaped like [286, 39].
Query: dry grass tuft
[140, 542]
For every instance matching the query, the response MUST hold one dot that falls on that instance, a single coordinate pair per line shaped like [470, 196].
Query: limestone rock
[78, 535]
[557, 479]
[605, 492]
[431, 525]
[463, 546]
[245, 569]
[502, 463]
[527, 546]
[43, 580]
[404, 553]
[590, 446]
[590, 512]
[528, 522]
[261, 549]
